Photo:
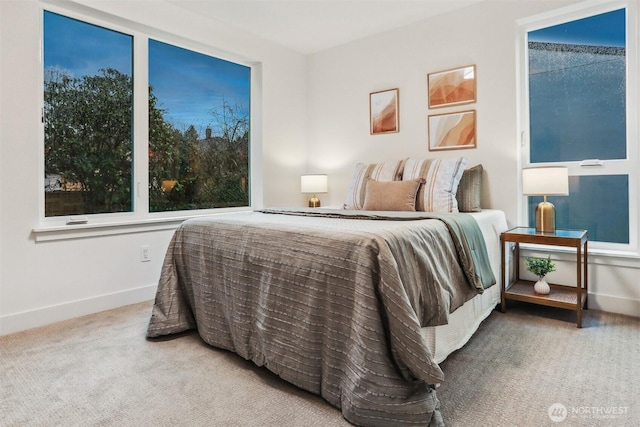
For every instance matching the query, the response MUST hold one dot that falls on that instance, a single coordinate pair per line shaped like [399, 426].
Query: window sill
[80, 231]
[47, 233]
[615, 258]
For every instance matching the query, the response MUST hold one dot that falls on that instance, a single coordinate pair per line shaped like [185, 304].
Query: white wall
[43, 282]
[340, 80]
[321, 100]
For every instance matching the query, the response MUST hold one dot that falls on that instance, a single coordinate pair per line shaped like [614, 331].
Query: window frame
[626, 166]
[140, 219]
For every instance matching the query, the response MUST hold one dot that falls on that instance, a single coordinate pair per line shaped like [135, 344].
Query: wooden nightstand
[561, 296]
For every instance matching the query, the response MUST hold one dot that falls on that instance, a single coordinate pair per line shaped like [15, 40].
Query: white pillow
[441, 176]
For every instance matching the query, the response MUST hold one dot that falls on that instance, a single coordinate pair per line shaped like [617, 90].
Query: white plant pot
[541, 287]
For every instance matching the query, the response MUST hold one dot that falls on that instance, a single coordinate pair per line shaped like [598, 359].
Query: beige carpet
[100, 370]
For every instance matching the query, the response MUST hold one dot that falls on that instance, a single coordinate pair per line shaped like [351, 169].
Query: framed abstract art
[452, 131]
[384, 111]
[452, 87]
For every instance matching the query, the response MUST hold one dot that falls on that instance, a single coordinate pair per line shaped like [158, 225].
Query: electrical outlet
[145, 253]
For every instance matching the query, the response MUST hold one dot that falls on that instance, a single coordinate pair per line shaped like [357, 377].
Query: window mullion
[140, 125]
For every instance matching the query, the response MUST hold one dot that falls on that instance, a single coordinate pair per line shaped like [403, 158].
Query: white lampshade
[313, 184]
[545, 181]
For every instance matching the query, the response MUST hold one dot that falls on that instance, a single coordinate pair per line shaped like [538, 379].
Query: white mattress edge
[465, 321]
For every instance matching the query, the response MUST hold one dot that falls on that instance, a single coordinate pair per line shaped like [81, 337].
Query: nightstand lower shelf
[561, 296]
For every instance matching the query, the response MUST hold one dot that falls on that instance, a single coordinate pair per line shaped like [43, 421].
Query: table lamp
[545, 181]
[313, 184]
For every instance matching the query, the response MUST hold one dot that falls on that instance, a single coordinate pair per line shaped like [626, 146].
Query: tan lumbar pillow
[391, 195]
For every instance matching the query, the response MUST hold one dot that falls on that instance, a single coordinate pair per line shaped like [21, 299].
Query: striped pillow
[442, 176]
[387, 171]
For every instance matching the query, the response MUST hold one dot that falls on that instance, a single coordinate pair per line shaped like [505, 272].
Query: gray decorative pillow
[391, 195]
[470, 189]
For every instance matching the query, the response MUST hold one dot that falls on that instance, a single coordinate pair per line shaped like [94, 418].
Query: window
[88, 118]
[197, 150]
[577, 108]
[198, 130]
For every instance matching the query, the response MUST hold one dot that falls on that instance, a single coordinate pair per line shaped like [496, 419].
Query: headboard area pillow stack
[429, 185]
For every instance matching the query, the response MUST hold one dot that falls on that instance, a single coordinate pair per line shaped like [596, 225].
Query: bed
[356, 305]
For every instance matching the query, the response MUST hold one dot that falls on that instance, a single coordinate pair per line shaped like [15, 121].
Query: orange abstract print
[452, 87]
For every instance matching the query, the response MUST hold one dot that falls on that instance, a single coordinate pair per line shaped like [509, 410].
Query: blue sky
[607, 29]
[187, 84]
[82, 49]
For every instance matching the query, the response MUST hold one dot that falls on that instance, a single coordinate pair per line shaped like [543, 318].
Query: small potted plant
[540, 267]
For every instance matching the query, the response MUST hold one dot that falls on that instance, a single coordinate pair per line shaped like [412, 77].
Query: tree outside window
[198, 112]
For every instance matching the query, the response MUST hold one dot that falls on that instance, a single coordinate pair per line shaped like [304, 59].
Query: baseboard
[43, 316]
[614, 304]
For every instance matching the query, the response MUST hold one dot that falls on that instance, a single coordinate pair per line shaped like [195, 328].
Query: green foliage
[89, 146]
[169, 159]
[211, 172]
[88, 141]
[540, 266]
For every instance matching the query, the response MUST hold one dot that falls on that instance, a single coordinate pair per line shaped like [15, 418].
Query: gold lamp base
[545, 217]
[314, 202]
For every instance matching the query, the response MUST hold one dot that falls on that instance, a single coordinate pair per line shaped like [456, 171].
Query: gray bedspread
[330, 302]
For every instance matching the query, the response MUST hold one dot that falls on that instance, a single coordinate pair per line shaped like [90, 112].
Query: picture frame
[451, 87]
[452, 131]
[384, 114]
